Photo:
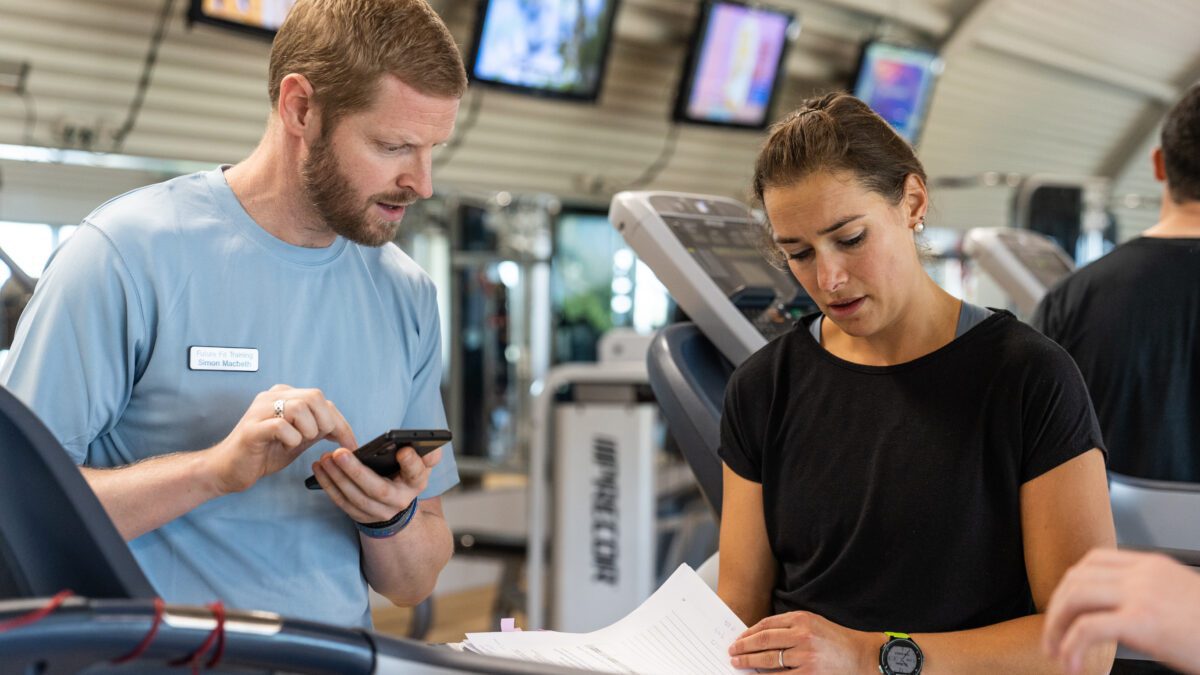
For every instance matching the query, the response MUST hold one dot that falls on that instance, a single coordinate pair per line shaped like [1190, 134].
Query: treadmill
[708, 253]
[1024, 263]
[55, 536]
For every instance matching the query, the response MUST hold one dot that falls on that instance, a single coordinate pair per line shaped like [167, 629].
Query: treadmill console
[706, 251]
[1024, 263]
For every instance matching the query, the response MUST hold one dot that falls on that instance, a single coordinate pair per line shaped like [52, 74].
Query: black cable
[135, 107]
[447, 152]
[30, 117]
[664, 158]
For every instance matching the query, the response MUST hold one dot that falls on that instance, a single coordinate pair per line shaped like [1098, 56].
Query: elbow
[411, 597]
[415, 589]
[412, 590]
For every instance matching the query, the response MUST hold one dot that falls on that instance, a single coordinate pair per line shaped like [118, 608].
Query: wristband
[387, 528]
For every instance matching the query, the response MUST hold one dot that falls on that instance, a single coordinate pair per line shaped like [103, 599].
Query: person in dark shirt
[1131, 320]
[902, 461]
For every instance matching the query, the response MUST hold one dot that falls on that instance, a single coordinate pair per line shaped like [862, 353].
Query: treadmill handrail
[109, 629]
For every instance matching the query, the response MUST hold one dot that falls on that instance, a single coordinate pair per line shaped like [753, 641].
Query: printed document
[682, 629]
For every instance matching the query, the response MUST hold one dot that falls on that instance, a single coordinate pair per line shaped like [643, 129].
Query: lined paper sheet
[683, 629]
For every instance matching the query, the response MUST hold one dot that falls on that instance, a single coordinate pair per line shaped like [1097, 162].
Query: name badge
[223, 358]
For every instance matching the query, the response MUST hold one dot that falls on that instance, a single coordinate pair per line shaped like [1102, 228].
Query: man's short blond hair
[343, 47]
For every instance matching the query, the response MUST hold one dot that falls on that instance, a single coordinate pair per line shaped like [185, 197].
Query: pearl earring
[920, 226]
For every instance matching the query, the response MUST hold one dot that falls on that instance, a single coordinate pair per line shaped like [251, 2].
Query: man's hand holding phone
[365, 495]
[280, 424]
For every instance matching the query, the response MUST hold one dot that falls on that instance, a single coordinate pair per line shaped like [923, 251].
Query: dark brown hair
[834, 133]
[1181, 147]
[343, 47]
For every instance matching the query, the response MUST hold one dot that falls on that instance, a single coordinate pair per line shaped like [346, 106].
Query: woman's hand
[802, 642]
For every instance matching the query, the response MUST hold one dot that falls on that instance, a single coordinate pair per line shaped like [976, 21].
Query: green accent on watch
[900, 655]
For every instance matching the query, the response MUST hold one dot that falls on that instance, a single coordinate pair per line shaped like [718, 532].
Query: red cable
[217, 635]
[145, 643]
[37, 614]
[219, 612]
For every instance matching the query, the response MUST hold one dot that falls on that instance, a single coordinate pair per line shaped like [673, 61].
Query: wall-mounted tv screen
[897, 82]
[735, 65]
[262, 17]
[548, 47]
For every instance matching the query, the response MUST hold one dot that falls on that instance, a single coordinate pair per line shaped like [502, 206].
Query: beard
[330, 193]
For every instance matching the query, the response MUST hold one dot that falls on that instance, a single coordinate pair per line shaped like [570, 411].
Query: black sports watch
[900, 655]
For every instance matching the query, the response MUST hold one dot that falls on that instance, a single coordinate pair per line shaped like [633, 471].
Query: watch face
[901, 659]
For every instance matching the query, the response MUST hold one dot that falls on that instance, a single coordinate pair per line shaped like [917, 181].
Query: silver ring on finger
[279, 405]
[781, 666]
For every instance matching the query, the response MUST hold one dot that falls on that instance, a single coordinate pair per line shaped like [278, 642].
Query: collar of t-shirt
[236, 214]
[969, 316]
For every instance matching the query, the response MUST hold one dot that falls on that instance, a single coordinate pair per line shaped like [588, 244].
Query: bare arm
[403, 567]
[747, 572]
[1064, 513]
[145, 496]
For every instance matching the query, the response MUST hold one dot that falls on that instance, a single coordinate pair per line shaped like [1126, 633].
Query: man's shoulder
[1108, 279]
[394, 262]
[148, 213]
[1134, 256]
[399, 269]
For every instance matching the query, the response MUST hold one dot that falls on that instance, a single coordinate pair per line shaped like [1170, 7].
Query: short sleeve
[1058, 421]
[741, 452]
[79, 342]
[425, 408]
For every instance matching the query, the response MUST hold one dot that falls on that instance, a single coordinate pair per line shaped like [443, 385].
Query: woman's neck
[928, 323]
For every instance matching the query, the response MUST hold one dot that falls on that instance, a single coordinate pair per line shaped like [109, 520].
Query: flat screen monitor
[260, 17]
[897, 83]
[552, 48]
[735, 65]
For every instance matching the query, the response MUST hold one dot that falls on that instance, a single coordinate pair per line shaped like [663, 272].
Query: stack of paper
[682, 629]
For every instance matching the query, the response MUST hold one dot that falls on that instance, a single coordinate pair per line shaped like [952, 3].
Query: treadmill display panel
[723, 237]
[727, 249]
[1039, 258]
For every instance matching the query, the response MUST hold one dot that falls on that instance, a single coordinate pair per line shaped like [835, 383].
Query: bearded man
[186, 345]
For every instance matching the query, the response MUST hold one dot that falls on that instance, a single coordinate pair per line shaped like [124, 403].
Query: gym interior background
[1040, 116]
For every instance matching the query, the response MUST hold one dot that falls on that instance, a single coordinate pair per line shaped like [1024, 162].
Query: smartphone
[380, 454]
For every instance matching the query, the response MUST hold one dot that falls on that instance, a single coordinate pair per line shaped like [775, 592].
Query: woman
[902, 461]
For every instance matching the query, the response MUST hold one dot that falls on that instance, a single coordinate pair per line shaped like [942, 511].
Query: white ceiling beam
[1127, 149]
[967, 28]
[914, 13]
[1065, 61]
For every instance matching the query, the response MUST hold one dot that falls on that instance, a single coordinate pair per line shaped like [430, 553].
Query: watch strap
[390, 527]
[894, 636]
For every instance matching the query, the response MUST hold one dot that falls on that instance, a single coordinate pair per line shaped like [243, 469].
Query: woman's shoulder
[776, 354]
[1014, 345]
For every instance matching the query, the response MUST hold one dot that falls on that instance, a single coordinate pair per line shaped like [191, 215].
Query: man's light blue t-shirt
[102, 356]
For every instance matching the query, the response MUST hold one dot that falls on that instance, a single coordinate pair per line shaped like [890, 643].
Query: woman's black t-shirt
[892, 493]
